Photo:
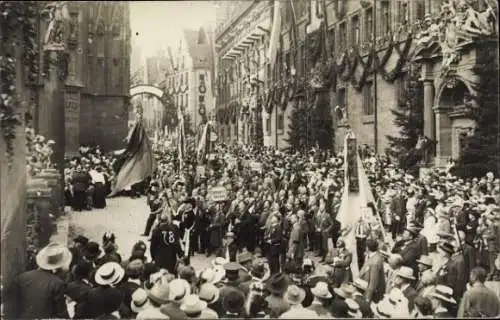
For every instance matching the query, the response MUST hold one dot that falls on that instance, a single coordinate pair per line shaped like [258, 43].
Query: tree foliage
[481, 149]
[408, 117]
[311, 125]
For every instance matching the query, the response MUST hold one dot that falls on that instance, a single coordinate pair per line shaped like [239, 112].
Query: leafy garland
[15, 16]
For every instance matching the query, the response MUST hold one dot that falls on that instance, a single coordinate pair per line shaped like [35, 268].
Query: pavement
[125, 217]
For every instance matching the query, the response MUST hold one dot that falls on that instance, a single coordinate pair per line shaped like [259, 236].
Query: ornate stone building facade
[360, 53]
[189, 84]
[97, 76]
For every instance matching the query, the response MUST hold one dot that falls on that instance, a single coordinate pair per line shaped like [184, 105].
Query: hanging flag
[202, 144]
[138, 160]
[181, 141]
[275, 34]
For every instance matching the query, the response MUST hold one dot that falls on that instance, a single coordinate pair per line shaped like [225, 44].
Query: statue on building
[56, 13]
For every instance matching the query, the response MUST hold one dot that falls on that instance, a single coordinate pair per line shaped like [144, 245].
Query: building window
[186, 100]
[420, 8]
[368, 24]
[281, 122]
[355, 30]
[202, 78]
[182, 100]
[235, 130]
[186, 79]
[402, 12]
[342, 36]
[201, 98]
[341, 111]
[385, 11]
[331, 37]
[368, 99]
[268, 126]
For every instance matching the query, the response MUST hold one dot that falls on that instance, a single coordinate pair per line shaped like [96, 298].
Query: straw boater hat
[443, 293]
[109, 273]
[345, 290]
[320, 290]
[295, 295]
[160, 292]
[193, 305]
[405, 273]
[140, 301]
[360, 284]
[209, 293]
[54, 256]
[179, 289]
[425, 260]
[353, 308]
[382, 310]
[219, 261]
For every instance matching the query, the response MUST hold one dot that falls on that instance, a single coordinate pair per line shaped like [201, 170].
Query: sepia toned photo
[253, 159]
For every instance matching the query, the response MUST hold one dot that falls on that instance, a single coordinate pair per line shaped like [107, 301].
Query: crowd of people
[267, 219]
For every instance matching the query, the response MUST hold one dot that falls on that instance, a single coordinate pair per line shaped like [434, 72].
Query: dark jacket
[40, 294]
[373, 273]
[77, 290]
[100, 301]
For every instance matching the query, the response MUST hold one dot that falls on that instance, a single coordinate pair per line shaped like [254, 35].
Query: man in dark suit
[165, 244]
[40, 292]
[373, 272]
[410, 251]
[451, 273]
[78, 289]
[81, 182]
[398, 211]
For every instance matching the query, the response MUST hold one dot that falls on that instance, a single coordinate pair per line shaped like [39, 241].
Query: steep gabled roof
[198, 46]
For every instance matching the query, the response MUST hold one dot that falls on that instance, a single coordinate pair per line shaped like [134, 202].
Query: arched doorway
[454, 118]
[159, 112]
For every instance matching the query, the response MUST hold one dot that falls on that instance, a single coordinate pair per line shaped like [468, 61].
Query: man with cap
[133, 272]
[425, 273]
[245, 259]
[178, 290]
[410, 250]
[77, 250]
[294, 296]
[232, 280]
[361, 285]
[165, 244]
[441, 297]
[404, 278]
[40, 292]
[449, 274]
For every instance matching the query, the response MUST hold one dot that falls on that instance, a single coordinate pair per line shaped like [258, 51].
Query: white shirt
[97, 177]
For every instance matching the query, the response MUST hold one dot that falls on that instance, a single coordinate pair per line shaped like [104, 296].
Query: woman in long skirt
[99, 192]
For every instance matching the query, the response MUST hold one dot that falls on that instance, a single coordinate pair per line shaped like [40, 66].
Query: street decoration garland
[15, 18]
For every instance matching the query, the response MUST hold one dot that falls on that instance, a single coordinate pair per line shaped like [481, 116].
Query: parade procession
[255, 159]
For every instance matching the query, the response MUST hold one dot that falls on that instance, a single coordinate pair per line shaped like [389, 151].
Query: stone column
[429, 119]
[443, 132]
[54, 92]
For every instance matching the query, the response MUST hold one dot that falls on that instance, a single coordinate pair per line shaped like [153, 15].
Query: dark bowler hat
[277, 283]
[81, 240]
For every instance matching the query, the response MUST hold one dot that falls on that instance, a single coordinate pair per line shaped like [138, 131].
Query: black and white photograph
[250, 159]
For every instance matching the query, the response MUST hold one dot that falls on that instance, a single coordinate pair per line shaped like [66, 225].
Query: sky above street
[156, 25]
